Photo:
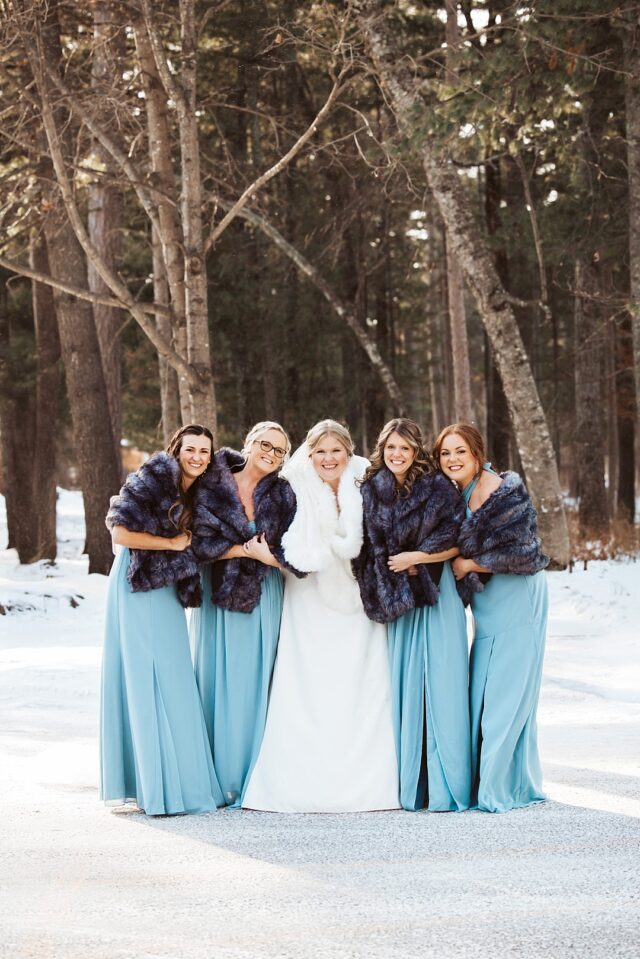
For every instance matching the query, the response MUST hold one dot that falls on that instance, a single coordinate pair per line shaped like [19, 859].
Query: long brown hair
[185, 497]
[411, 432]
[471, 436]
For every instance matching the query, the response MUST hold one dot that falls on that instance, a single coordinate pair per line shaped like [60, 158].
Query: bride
[328, 744]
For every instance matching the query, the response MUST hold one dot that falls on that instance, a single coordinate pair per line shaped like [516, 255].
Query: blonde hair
[259, 430]
[329, 428]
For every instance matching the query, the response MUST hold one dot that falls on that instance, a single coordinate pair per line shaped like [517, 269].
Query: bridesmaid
[153, 740]
[412, 516]
[242, 509]
[500, 572]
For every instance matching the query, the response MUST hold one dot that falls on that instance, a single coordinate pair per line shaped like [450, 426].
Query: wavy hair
[185, 497]
[422, 462]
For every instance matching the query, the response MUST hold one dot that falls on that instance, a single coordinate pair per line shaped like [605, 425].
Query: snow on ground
[78, 880]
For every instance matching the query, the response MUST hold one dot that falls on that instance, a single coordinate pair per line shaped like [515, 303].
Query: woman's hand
[181, 541]
[462, 566]
[402, 563]
[258, 548]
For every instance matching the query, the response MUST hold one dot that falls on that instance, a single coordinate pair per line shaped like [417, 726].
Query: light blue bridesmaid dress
[510, 617]
[430, 700]
[234, 655]
[153, 739]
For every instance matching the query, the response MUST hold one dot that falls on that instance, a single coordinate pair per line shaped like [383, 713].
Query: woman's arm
[236, 551]
[462, 566]
[120, 536]
[402, 561]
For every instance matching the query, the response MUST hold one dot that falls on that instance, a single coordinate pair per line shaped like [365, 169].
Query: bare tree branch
[162, 345]
[29, 273]
[264, 178]
[338, 306]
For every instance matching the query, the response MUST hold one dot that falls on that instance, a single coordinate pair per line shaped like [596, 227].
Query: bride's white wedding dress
[328, 744]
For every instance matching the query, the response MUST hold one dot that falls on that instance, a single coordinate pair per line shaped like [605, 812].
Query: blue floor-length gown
[154, 748]
[510, 617]
[430, 694]
[234, 656]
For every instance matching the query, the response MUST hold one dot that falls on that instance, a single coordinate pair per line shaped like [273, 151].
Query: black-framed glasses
[268, 447]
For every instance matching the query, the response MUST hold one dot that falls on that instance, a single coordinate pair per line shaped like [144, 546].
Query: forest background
[237, 210]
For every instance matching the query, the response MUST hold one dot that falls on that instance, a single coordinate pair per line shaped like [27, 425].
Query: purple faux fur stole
[220, 521]
[427, 520]
[142, 506]
[502, 535]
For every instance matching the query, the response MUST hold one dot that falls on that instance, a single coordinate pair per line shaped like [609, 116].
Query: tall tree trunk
[589, 435]
[625, 392]
[28, 420]
[203, 405]
[498, 429]
[169, 260]
[455, 282]
[93, 438]
[105, 220]
[632, 111]
[610, 413]
[48, 382]
[534, 442]
[17, 436]
[169, 389]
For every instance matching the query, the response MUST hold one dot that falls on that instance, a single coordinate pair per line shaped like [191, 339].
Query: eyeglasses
[267, 447]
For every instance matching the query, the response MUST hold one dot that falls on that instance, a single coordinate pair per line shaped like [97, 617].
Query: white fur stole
[326, 532]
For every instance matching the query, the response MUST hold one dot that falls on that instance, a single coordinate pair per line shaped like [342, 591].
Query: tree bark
[625, 393]
[632, 111]
[169, 389]
[527, 415]
[93, 438]
[106, 218]
[169, 258]
[182, 89]
[455, 282]
[48, 382]
[498, 428]
[589, 436]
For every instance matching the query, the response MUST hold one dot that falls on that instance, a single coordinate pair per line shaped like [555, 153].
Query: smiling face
[329, 458]
[398, 454]
[457, 461]
[194, 457]
[267, 451]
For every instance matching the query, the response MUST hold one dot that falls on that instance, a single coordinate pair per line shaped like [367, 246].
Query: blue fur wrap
[220, 521]
[502, 535]
[142, 506]
[427, 520]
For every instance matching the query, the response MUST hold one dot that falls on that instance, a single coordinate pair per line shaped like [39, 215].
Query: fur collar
[323, 528]
[428, 520]
[142, 506]
[502, 535]
[220, 522]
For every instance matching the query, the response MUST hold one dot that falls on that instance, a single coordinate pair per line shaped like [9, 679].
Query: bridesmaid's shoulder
[488, 484]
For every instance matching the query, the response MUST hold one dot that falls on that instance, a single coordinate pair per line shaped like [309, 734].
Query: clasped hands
[258, 548]
[403, 563]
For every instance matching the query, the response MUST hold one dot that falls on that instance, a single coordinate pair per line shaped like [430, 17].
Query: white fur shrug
[326, 532]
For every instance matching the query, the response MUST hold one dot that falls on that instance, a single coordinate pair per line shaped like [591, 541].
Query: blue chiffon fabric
[510, 617]
[234, 655]
[429, 657]
[154, 748]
